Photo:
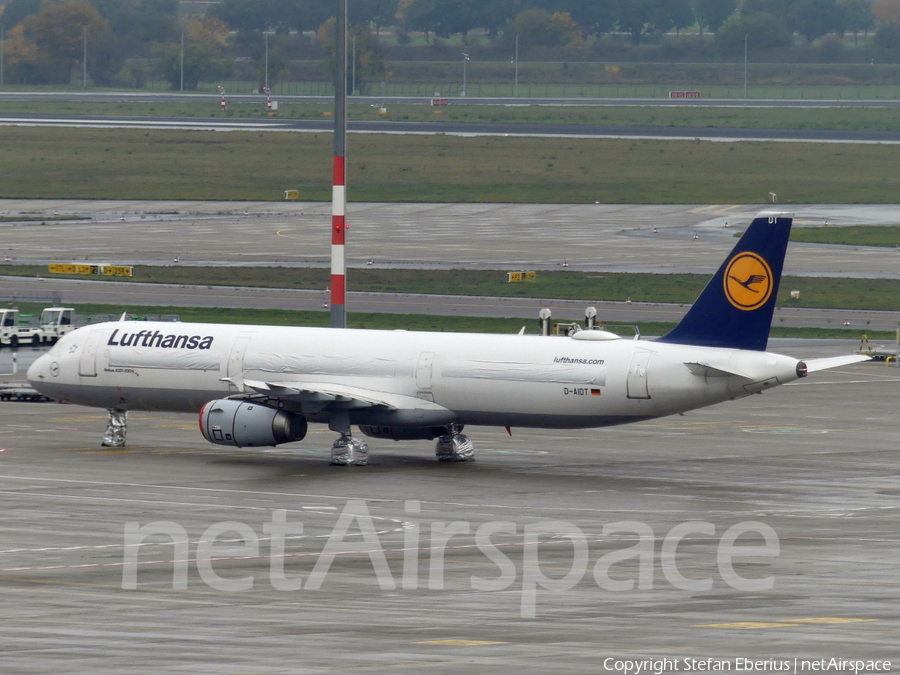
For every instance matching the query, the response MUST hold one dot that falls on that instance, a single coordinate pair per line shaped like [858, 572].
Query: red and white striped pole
[339, 177]
[338, 238]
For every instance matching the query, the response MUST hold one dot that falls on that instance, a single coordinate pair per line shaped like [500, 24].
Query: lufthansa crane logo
[748, 281]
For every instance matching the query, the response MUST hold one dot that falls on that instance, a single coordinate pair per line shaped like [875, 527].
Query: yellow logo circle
[748, 281]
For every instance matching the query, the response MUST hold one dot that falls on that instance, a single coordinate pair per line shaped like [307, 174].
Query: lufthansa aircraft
[261, 385]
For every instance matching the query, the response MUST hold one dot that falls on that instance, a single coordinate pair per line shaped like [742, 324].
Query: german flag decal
[595, 392]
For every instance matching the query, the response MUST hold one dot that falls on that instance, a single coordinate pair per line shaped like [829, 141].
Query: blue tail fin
[735, 309]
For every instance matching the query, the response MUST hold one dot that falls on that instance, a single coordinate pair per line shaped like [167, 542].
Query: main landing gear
[451, 446]
[454, 446]
[347, 450]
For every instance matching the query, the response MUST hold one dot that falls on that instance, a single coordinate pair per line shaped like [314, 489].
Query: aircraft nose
[39, 371]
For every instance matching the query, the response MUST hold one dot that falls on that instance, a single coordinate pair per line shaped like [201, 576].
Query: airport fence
[475, 90]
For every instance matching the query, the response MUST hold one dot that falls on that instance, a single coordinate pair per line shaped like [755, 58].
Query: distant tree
[597, 17]
[140, 20]
[887, 10]
[887, 35]
[58, 34]
[22, 57]
[243, 15]
[763, 31]
[855, 16]
[711, 14]
[635, 17]
[593, 17]
[678, 14]
[281, 16]
[204, 60]
[816, 18]
[379, 13]
[370, 62]
[492, 16]
[540, 27]
[15, 12]
[786, 10]
[640, 17]
[420, 15]
[443, 17]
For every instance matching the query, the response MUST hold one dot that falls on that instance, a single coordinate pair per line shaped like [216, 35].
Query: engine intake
[248, 424]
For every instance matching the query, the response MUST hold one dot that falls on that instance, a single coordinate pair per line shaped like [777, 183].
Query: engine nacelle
[245, 423]
[402, 433]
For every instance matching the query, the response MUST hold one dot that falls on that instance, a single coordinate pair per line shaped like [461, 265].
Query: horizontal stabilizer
[812, 365]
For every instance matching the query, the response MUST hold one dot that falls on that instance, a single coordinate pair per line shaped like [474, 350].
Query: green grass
[822, 292]
[139, 164]
[870, 119]
[419, 322]
[39, 219]
[855, 235]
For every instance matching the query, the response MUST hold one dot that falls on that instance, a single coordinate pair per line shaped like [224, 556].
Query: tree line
[126, 42]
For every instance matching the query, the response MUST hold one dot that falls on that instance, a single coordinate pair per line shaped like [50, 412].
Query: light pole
[84, 62]
[1, 55]
[516, 86]
[267, 60]
[182, 59]
[465, 60]
[745, 66]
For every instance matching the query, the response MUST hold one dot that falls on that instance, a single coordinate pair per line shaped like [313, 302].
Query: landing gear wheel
[349, 451]
[454, 447]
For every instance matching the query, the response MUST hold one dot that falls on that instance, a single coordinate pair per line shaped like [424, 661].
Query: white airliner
[261, 385]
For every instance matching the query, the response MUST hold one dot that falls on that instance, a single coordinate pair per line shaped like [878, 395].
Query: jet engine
[402, 433]
[245, 423]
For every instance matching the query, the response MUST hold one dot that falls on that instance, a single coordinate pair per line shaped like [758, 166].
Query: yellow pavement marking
[830, 619]
[459, 643]
[787, 623]
[716, 208]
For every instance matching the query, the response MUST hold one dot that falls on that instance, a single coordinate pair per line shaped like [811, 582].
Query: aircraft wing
[333, 396]
[706, 370]
[812, 365]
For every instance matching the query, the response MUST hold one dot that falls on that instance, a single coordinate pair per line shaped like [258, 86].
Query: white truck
[54, 323]
[13, 334]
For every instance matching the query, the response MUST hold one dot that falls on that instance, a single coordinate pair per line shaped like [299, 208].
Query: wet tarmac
[573, 551]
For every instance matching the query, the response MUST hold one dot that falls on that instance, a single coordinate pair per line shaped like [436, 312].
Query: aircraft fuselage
[439, 378]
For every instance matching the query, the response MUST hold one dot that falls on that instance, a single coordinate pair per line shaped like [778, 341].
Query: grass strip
[205, 165]
[866, 119]
[412, 322]
[818, 292]
[887, 236]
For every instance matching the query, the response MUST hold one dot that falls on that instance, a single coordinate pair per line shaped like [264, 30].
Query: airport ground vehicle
[54, 323]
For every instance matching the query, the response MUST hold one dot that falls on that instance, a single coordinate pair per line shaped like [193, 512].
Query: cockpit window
[59, 348]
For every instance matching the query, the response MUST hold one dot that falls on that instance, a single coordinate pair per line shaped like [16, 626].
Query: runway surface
[593, 237]
[813, 463]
